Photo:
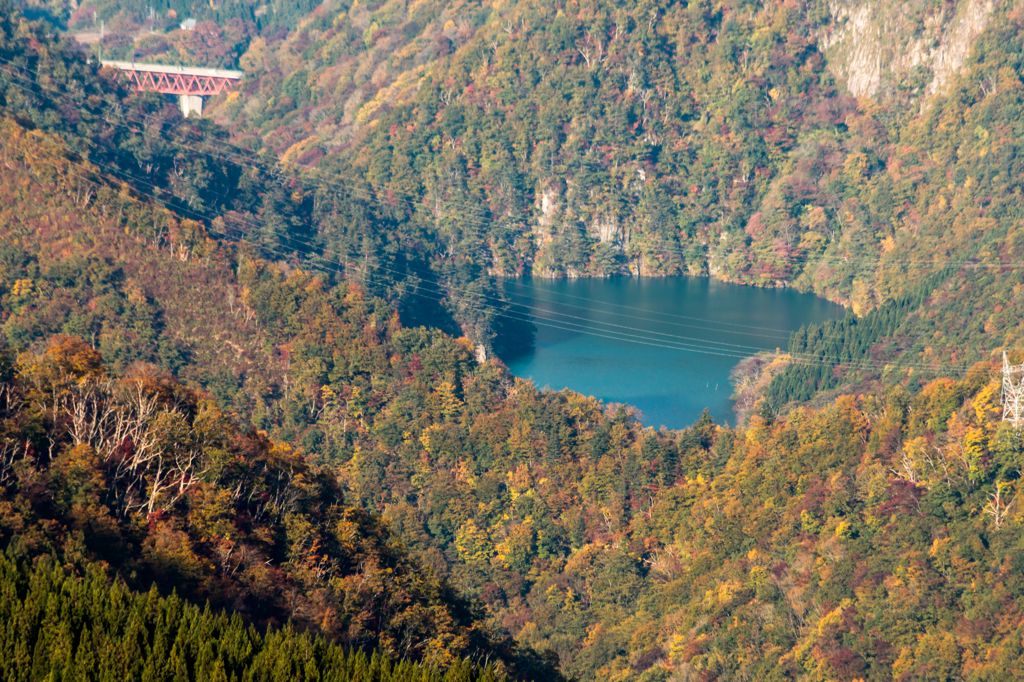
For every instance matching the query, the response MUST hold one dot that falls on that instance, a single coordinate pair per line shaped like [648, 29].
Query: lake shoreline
[775, 284]
[651, 342]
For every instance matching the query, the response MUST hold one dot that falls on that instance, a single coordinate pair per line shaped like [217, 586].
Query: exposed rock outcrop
[607, 230]
[876, 48]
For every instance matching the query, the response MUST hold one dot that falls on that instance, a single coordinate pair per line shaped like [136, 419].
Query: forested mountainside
[109, 461]
[647, 138]
[651, 139]
[874, 538]
[142, 142]
[128, 635]
[871, 539]
[139, 476]
[214, 381]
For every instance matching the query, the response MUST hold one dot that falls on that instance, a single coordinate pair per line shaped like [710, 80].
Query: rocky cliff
[909, 48]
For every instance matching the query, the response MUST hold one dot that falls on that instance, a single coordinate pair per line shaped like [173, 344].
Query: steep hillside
[593, 141]
[202, 392]
[107, 460]
[57, 626]
[870, 539]
[150, 480]
[950, 190]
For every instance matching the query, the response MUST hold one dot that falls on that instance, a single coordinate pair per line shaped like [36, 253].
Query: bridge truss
[189, 84]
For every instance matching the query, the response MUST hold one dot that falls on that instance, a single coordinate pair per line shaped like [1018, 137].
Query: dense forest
[129, 635]
[617, 550]
[595, 140]
[247, 430]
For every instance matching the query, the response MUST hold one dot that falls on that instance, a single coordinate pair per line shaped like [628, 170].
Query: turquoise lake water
[665, 345]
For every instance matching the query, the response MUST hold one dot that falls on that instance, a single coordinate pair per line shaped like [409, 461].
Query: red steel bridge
[188, 83]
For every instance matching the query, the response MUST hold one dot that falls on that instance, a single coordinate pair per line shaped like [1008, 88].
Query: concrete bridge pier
[188, 84]
[191, 104]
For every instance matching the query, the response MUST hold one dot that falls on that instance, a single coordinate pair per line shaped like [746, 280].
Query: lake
[663, 345]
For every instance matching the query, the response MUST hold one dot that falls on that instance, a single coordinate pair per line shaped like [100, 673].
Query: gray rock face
[872, 45]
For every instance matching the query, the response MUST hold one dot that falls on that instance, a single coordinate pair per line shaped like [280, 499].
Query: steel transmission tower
[1013, 393]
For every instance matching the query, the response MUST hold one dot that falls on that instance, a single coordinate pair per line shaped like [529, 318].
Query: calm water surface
[664, 346]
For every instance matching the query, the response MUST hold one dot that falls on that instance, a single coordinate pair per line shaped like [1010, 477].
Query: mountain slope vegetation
[203, 390]
[650, 139]
[129, 635]
[108, 461]
[781, 549]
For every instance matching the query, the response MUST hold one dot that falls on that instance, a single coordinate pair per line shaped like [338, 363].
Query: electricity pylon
[1013, 393]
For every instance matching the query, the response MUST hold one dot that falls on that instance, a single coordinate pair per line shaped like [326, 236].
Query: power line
[576, 327]
[213, 147]
[715, 347]
[584, 329]
[306, 245]
[476, 294]
[483, 223]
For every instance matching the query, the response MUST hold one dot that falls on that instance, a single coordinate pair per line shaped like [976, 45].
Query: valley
[362, 373]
